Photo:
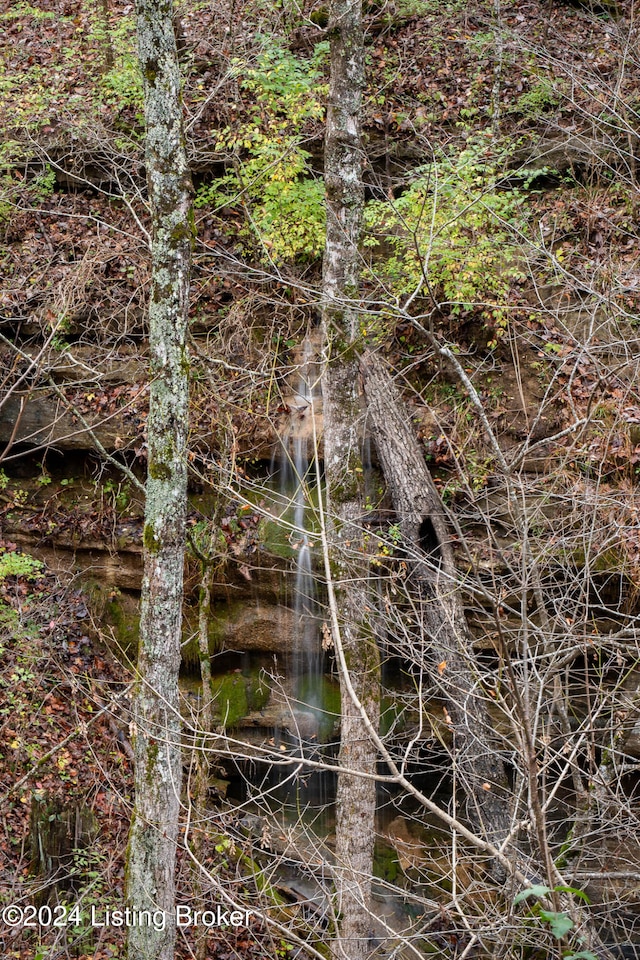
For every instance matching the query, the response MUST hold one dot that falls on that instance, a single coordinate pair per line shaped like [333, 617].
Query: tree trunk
[158, 764]
[57, 832]
[356, 795]
[432, 577]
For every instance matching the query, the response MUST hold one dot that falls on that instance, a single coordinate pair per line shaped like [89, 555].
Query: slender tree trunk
[203, 762]
[157, 759]
[356, 796]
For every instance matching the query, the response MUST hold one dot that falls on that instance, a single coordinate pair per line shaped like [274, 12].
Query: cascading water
[305, 603]
[304, 713]
[312, 699]
[297, 481]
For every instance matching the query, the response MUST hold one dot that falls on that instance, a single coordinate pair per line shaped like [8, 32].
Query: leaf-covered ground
[65, 771]
[64, 751]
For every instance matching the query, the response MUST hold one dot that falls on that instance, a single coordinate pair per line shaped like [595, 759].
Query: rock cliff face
[499, 266]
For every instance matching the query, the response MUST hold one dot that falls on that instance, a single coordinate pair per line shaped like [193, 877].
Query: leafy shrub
[423, 8]
[558, 922]
[451, 234]
[538, 100]
[122, 84]
[271, 175]
[13, 564]
[20, 10]
[291, 219]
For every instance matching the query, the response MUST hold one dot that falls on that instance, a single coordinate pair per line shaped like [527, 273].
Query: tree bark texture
[157, 758]
[356, 795]
[449, 657]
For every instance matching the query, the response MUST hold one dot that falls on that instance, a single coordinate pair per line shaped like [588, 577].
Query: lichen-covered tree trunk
[433, 582]
[356, 796]
[157, 759]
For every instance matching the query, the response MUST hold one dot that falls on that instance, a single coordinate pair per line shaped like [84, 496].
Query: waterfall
[297, 489]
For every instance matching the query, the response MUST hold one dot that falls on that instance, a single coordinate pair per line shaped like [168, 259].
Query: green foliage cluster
[13, 564]
[89, 868]
[270, 173]
[20, 10]
[541, 98]
[121, 84]
[451, 235]
[424, 8]
[558, 922]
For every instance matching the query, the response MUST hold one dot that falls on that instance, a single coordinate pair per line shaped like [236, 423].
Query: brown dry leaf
[327, 639]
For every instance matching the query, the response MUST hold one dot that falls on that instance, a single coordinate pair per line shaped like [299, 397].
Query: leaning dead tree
[432, 581]
[157, 761]
[356, 795]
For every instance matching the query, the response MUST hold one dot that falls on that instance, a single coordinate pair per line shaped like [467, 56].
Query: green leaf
[561, 888]
[560, 923]
[536, 890]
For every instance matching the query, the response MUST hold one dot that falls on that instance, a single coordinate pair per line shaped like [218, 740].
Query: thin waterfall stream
[303, 804]
[278, 691]
[298, 485]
